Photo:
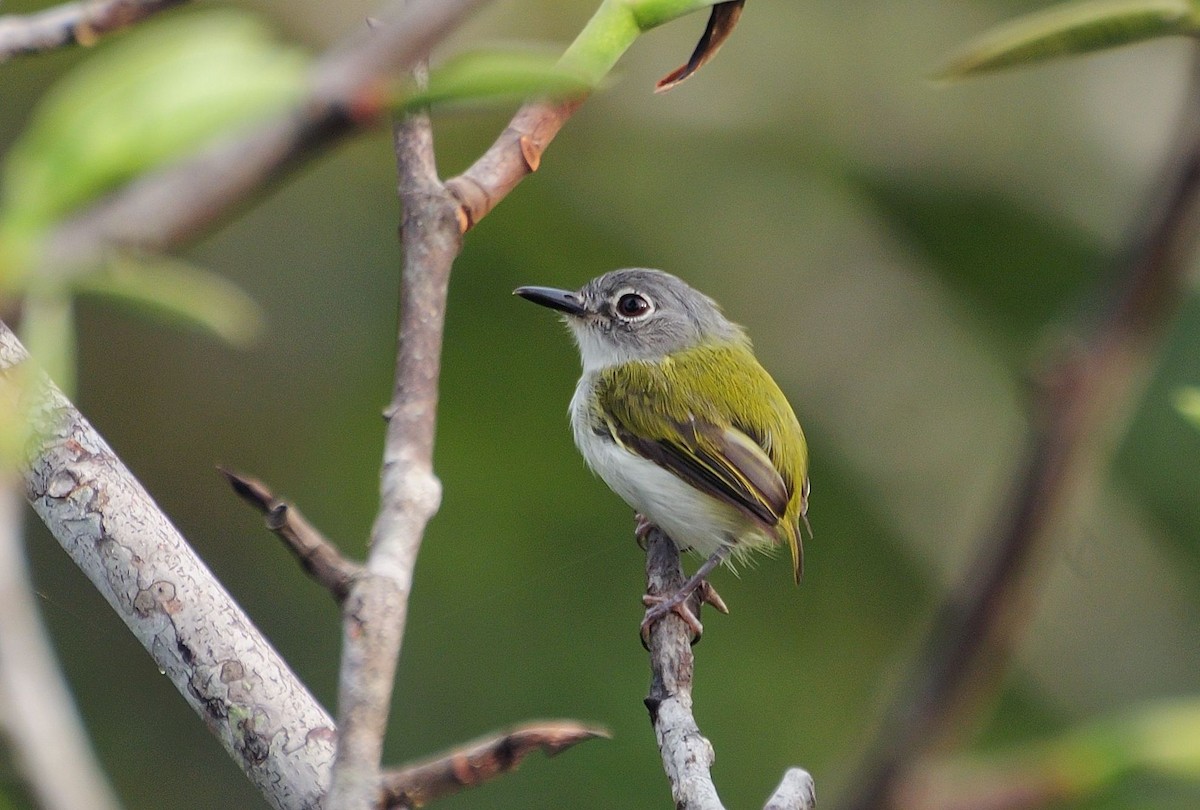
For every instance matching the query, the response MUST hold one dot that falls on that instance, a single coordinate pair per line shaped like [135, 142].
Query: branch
[197, 635]
[375, 612]
[83, 23]
[515, 154]
[1078, 403]
[36, 709]
[480, 761]
[687, 756]
[320, 558]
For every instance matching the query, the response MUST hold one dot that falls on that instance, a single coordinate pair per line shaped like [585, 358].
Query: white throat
[596, 352]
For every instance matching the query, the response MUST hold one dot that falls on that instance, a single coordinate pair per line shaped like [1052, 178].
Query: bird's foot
[677, 603]
[642, 529]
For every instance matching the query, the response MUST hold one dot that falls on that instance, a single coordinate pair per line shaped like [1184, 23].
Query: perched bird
[676, 415]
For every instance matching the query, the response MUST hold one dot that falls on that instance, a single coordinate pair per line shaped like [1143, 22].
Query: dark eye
[632, 305]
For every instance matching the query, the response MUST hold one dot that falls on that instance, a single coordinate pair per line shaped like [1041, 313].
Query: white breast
[689, 517]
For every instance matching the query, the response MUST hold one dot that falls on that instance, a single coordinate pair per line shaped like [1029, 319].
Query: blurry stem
[82, 22]
[174, 205]
[1079, 406]
[39, 718]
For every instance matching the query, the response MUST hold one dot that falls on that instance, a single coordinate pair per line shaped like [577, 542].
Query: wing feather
[669, 413]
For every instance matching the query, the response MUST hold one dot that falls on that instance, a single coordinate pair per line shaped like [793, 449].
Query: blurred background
[901, 252]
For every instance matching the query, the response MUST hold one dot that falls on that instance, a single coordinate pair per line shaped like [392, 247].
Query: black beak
[562, 300]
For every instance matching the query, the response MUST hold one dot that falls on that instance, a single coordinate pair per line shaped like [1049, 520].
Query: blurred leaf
[48, 332]
[178, 293]
[1072, 29]
[1187, 401]
[1018, 267]
[489, 75]
[1161, 740]
[142, 100]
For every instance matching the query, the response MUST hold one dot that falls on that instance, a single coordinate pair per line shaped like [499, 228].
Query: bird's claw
[660, 606]
[677, 603]
[642, 529]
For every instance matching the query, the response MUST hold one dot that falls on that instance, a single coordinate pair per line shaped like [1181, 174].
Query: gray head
[635, 314]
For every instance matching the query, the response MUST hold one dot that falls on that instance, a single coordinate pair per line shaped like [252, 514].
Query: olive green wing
[662, 415]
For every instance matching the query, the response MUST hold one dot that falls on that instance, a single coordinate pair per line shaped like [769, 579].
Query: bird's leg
[660, 606]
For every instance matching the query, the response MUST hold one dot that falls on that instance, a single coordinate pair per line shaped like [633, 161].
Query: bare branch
[320, 558]
[480, 761]
[36, 709]
[375, 612]
[687, 756]
[175, 204]
[80, 23]
[515, 154]
[197, 635]
[1078, 404]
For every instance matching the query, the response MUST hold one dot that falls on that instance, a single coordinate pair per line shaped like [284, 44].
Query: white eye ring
[631, 305]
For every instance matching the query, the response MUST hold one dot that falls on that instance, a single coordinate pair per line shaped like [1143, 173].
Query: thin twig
[686, 754]
[80, 23]
[36, 710]
[320, 558]
[197, 635]
[515, 154]
[435, 218]
[1077, 408]
[375, 612]
[480, 761]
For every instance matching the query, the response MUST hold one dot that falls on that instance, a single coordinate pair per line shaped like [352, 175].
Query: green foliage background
[901, 252]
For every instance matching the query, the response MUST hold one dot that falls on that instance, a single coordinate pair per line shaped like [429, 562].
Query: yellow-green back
[714, 416]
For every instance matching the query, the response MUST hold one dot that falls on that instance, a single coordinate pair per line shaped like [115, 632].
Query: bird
[676, 415]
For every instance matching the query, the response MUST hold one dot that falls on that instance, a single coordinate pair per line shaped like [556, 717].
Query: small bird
[676, 415]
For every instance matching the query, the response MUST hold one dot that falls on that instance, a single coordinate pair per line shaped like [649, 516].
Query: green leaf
[1072, 29]
[142, 100]
[1187, 402]
[494, 74]
[177, 292]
